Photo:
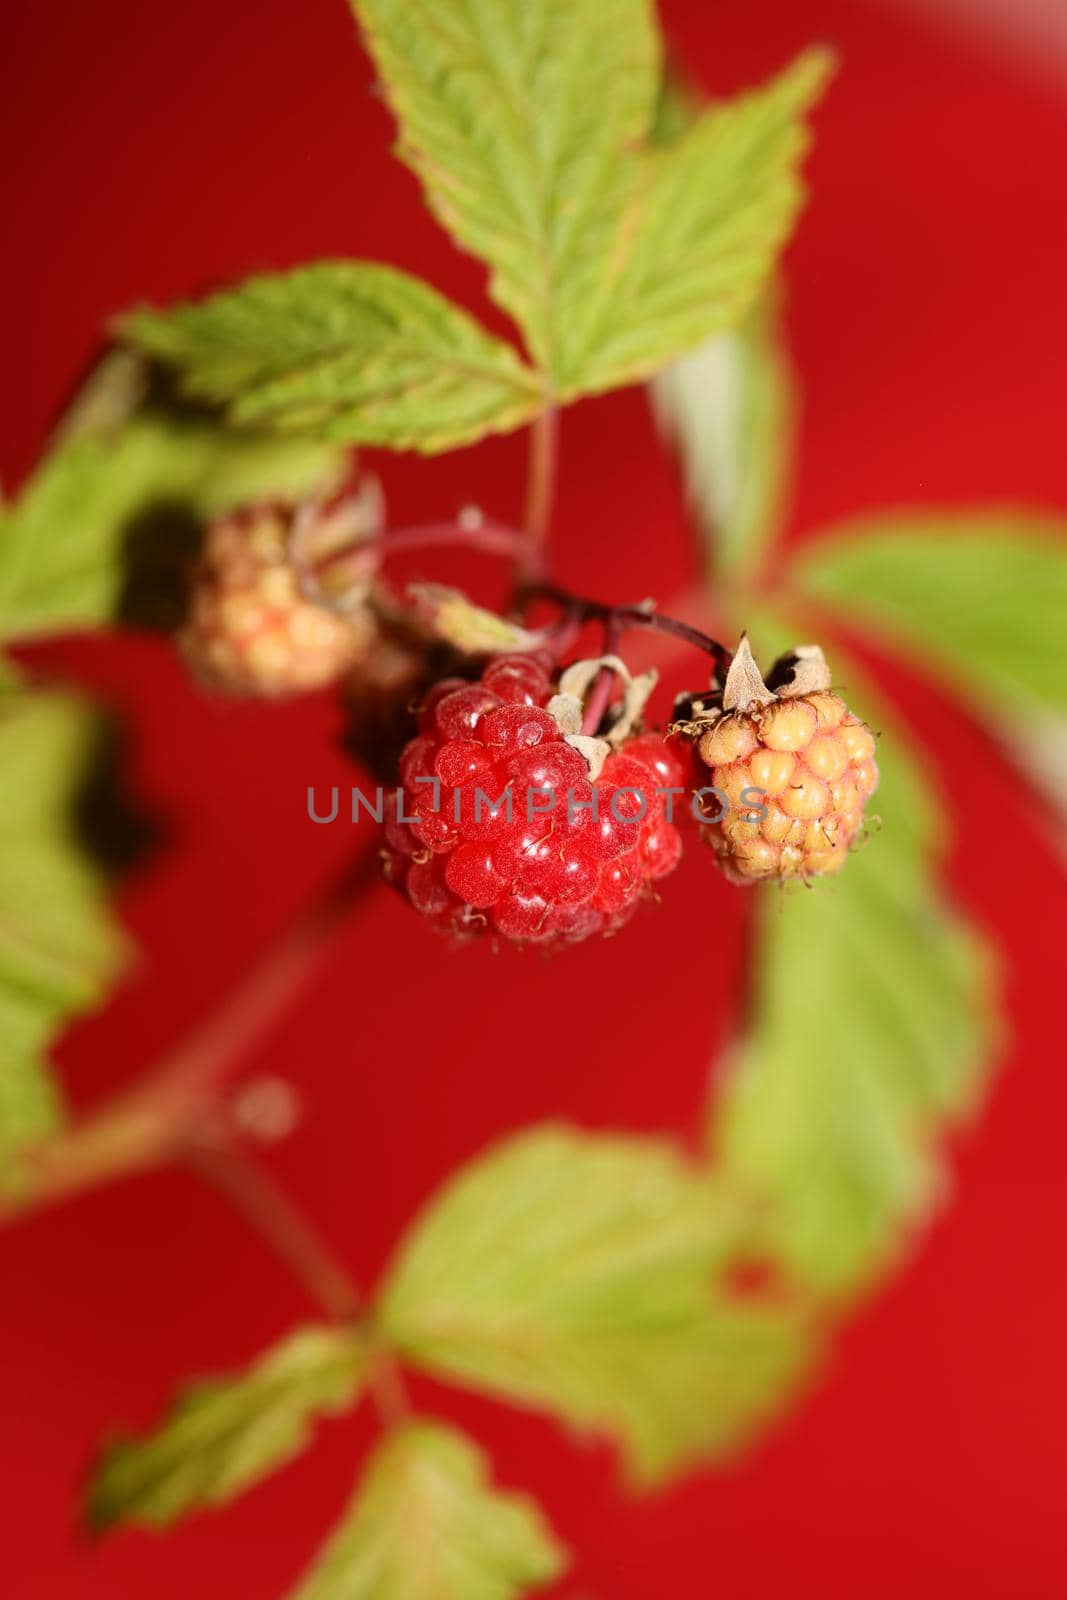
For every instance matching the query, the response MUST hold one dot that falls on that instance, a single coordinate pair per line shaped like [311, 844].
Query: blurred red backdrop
[153, 153]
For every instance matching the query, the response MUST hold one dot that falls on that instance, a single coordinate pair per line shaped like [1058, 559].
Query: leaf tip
[810, 74]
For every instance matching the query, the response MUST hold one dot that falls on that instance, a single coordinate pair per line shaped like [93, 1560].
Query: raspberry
[250, 630]
[548, 871]
[811, 760]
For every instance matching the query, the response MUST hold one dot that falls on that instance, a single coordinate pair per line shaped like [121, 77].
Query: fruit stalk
[640, 616]
[542, 472]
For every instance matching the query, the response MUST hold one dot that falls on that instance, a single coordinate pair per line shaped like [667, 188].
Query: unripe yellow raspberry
[250, 629]
[795, 766]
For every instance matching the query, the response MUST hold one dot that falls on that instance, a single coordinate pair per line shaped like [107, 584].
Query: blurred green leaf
[516, 118]
[678, 105]
[58, 947]
[226, 1434]
[872, 1033]
[63, 545]
[348, 350]
[541, 135]
[728, 408]
[982, 595]
[427, 1525]
[577, 1273]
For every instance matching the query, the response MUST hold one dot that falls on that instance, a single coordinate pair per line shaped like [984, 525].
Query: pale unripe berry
[250, 630]
[810, 759]
[788, 725]
[731, 739]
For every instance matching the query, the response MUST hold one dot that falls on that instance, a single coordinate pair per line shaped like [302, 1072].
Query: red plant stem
[146, 1125]
[604, 682]
[176, 1113]
[635, 617]
[471, 531]
[249, 1189]
[541, 477]
[325, 584]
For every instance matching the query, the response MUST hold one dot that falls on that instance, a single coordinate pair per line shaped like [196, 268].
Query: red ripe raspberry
[250, 630]
[505, 833]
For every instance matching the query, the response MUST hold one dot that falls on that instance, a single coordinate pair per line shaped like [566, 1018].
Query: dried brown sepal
[745, 689]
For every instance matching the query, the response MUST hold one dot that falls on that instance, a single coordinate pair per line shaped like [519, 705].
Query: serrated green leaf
[428, 1525]
[58, 947]
[226, 1434]
[576, 1273]
[533, 130]
[981, 595]
[872, 1032]
[697, 239]
[729, 410]
[517, 118]
[63, 544]
[345, 350]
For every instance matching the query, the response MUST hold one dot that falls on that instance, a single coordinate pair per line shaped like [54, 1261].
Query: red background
[151, 153]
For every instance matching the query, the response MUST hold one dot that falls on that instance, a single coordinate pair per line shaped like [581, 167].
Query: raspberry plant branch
[149, 1124]
[540, 485]
[250, 1189]
[348, 567]
[469, 531]
[604, 683]
[639, 616]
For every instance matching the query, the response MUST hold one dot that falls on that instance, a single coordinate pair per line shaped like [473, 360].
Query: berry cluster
[513, 817]
[510, 835]
[250, 630]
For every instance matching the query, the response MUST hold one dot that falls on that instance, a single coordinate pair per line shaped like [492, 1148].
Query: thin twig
[604, 682]
[540, 487]
[142, 1127]
[469, 531]
[349, 568]
[252, 1191]
[643, 616]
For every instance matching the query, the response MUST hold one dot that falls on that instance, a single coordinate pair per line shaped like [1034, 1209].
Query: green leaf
[678, 105]
[698, 238]
[226, 1434]
[427, 1525]
[872, 1033]
[982, 595]
[517, 118]
[63, 545]
[58, 948]
[533, 128]
[459, 622]
[346, 350]
[729, 409]
[576, 1273]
